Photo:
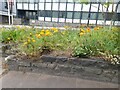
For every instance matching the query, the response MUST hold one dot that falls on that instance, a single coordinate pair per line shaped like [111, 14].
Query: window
[62, 6]
[42, 13]
[85, 15]
[63, 0]
[27, 13]
[41, 0]
[55, 14]
[48, 13]
[93, 16]
[55, 6]
[30, 13]
[62, 14]
[100, 16]
[77, 15]
[24, 1]
[41, 6]
[70, 7]
[55, 0]
[31, 1]
[109, 16]
[48, 1]
[48, 6]
[70, 0]
[69, 15]
[117, 17]
[19, 1]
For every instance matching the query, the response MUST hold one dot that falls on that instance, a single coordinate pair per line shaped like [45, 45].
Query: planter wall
[73, 67]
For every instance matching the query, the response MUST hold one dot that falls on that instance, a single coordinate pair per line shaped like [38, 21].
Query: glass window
[62, 14]
[48, 0]
[42, 13]
[55, 6]
[19, 0]
[30, 13]
[48, 14]
[70, 7]
[34, 13]
[117, 17]
[77, 15]
[93, 16]
[55, 0]
[31, 1]
[27, 13]
[55, 14]
[25, 1]
[63, 0]
[48, 6]
[109, 16]
[41, 6]
[36, 1]
[70, 0]
[100, 16]
[85, 15]
[62, 6]
[42, 0]
[69, 15]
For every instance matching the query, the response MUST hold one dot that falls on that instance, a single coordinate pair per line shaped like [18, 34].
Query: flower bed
[61, 52]
[81, 42]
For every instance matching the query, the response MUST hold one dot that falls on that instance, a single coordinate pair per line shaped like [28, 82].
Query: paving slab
[15, 79]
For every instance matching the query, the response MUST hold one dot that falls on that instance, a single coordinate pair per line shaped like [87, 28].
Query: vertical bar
[28, 5]
[58, 10]
[12, 19]
[97, 13]
[44, 8]
[16, 9]
[66, 11]
[38, 14]
[81, 13]
[34, 5]
[115, 12]
[106, 15]
[12, 10]
[73, 12]
[22, 5]
[8, 11]
[89, 14]
[51, 9]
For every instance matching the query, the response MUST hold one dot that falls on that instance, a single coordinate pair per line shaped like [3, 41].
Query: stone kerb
[76, 67]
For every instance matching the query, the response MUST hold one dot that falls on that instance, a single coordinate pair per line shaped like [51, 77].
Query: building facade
[4, 10]
[68, 11]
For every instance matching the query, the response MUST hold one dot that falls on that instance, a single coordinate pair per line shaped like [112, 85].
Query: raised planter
[73, 67]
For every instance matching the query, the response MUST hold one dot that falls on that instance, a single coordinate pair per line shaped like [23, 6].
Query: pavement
[15, 79]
